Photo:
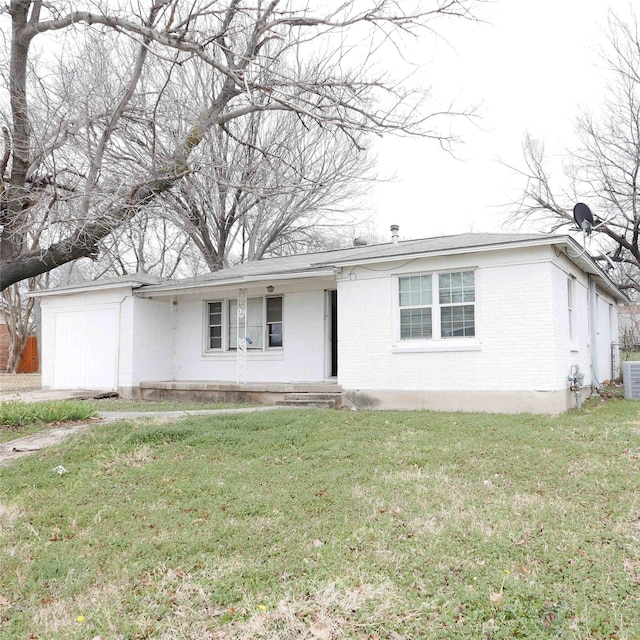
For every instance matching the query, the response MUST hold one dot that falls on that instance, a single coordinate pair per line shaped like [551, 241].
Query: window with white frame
[214, 315]
[437, 306]
[570, 305]
[263, 327]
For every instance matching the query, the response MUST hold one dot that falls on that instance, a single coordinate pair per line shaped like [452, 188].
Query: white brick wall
[522, 318]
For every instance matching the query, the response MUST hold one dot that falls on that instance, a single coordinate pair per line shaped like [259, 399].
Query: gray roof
[323, 260]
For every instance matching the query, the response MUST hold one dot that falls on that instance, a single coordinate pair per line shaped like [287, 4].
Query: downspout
[593, 333]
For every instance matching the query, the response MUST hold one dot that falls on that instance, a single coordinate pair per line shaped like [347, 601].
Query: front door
[332, 304]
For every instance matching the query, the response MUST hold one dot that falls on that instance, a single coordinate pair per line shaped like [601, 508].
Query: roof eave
[72, 290]
[591, 267]
[244, 281]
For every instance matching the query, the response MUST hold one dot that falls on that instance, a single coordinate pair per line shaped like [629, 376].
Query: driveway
[15, 383]
[28, 388]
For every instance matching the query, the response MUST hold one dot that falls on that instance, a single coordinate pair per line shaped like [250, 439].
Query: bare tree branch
[603, 170]
[96, 139]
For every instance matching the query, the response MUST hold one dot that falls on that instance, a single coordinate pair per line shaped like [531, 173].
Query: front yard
[328, 524]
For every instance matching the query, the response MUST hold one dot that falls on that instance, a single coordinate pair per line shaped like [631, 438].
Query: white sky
[533, 67]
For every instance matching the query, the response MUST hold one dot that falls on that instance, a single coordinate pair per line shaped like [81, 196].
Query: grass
[117, 404]
[21, 418]
[327, 524]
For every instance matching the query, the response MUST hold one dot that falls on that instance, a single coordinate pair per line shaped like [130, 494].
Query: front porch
[300, 394]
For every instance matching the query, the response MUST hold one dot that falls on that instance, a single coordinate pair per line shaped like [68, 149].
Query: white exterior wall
[585, 342]
[521, 355]
[153, 345]
[514, 344]
[303, 357]
[606, 333]
[570, 349]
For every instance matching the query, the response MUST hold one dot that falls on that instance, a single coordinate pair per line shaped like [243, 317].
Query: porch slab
[293, 393]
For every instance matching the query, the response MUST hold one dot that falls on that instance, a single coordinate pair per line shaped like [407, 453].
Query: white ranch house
[491, 322]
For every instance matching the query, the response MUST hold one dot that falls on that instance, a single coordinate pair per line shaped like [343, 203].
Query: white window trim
[265, 353]
[436, 343]
[571, 298]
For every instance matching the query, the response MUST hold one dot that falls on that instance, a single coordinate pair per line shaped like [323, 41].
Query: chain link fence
[622, 352]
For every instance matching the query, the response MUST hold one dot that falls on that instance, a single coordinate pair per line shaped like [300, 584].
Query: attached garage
[87, 334]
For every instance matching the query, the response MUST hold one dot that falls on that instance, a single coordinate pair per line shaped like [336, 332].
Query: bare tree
[268, 185]
[18, 312]
[603, 170]
[265, 56]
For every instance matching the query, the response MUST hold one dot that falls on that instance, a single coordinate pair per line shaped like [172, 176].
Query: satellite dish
[583, 217]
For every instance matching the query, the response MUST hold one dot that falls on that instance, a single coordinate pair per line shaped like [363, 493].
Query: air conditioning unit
[631, 378]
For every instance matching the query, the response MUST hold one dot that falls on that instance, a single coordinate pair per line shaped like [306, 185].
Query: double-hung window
[416, 314]
[263, 324]
[457, 295]
[437, 306]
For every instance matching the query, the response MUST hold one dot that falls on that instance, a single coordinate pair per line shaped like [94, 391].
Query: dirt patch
[16, 382]
[20, 447]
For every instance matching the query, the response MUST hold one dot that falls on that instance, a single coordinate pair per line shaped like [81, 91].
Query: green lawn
[329, 524]
[117, 404]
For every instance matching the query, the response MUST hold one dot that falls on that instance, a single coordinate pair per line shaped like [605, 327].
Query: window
[570, 305]
[437, 306]
[264, 324]
[457, 317]
[415, 307]
[254, 329]
[274, 322]
[215, 325]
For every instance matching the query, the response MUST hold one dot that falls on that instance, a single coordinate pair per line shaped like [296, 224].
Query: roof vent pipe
[394, 233]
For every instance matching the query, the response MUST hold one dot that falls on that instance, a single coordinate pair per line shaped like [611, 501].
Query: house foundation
[301, 394]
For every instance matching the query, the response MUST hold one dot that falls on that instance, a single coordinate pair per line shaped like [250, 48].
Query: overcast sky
[533, 67]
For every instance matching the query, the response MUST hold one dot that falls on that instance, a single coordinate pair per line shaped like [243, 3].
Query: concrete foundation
[332, 395]
[294, 393]
[545, 402]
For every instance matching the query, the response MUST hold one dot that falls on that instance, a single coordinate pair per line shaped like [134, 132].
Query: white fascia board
[70, 291]
[189, 287]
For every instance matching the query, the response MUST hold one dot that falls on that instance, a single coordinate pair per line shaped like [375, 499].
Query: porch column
[241, 339]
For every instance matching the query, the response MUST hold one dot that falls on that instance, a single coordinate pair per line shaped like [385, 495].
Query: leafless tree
[18, 312]
[268, 185]
[73, 141]
[603, 171]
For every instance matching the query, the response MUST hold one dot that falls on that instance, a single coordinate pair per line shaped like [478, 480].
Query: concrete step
[319, 400]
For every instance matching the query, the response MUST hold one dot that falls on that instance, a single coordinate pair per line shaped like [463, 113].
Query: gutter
[185, 288]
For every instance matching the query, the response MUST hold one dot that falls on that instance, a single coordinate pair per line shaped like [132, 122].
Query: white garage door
[86, 349]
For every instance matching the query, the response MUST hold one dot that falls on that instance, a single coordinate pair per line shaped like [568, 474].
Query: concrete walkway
[44, 396]
[26, 445]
